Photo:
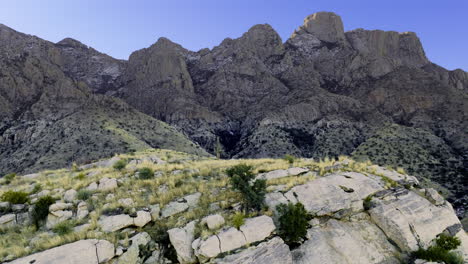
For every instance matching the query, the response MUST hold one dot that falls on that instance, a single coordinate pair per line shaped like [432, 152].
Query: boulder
[92, 186]
[155, 210]
[142, 218]
[213, 221]
[231, 239]
[175, 207]
[70, 195]
[106, 184]
[59, 207]
[82, 210]
[115, 222]
[56, 217]
[206, 249]
[434, 197]
[273, 251]
[181, 239]
[80, 252]
[7, 220]
[127, 202]
[410, 220]
[257, 228]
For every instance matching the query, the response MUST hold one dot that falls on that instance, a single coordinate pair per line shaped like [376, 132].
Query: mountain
[49, 120]
[323, 92]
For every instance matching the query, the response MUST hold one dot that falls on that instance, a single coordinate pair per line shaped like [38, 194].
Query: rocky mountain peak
[72, 43]
[326, 26]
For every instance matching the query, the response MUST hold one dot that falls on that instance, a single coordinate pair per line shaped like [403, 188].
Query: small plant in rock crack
[253, 191]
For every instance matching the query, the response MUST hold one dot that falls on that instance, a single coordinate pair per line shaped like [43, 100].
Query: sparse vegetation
[83, 194]
[9, 177]
[253, 193]
[120, 164]
[63, 228]
[41, 210]
[293, 222]
[367, 202]
[289, 158]
[145, 173]
[238, 220]
[15, 197]
[441, 251]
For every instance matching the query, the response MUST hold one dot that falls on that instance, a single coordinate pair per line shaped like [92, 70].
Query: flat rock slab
[270, 252]
[281, 173]
[410, 220]
[90, 251]
[344, 191]
[345, 242]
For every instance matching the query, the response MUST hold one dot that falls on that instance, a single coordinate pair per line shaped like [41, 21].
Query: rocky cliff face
[322, 92]
[49, 120]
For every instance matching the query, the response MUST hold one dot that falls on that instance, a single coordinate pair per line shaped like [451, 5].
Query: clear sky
[118, 27]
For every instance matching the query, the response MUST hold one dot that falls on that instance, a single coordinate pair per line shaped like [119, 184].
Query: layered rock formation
[49, 120]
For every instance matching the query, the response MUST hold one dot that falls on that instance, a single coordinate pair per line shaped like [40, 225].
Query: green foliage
[238, 220]
[389, 182]
[293, 222]
[253, 193]
[440, 252]
[63, 228]
[145, 173]
[83, 194]
[158, 233]
[120, 164]
[447, 242]
[289, 158]
[81, 176]
[9, 177]
[41, 209]
[367, 203]
[14, 197]
[37, 188]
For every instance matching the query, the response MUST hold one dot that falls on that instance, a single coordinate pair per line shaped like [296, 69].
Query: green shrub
[293, 222]
[289, 158]
[14, 197]
[37, 188]
[41, 210]
[447, 242]
[63, 228]
[9, 177]
[120, 164]
[440, 252]
[81, 176]
[83, 194]
[145, 173]
[367, 202]
[253, 193]
[238, 220]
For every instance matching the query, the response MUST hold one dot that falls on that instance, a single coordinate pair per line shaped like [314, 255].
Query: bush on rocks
[120, 164]
[41, 210]
[293, 222]
[440, 252]
[253, 192]
[14, 197]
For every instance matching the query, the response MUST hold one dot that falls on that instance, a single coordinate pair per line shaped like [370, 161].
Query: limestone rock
[257, 228]
[434, 197]
[79, 252]
[329, 195]
[56, 217]
[180, 205]
[213, 221]
[115, 222]
[106, 184]
[325, 26]
[273, 251]
[70, 195]
[60, 206]
[155, 210]
[142, 218]
[410, 220]
[347, 243]
[82, 210]
[281, 173]
[181, 239]
[7, 220]
[231, 239]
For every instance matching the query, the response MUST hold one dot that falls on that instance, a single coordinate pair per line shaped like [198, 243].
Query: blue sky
[119, 27]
